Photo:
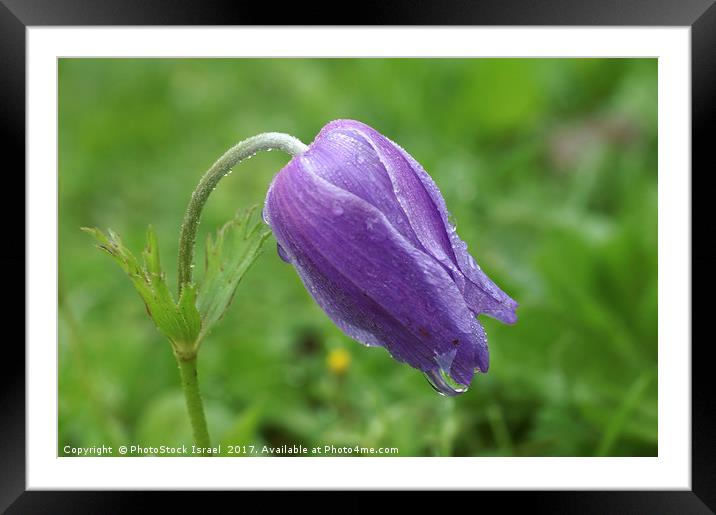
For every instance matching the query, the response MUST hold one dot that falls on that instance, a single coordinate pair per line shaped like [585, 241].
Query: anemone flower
[367, 230]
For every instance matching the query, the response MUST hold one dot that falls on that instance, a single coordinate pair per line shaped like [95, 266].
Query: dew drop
[375, 229]
[337, 209]
[282, 253]
[360, 159]
[440, 379]
[471, 261]
[370, 223]
[443, 384]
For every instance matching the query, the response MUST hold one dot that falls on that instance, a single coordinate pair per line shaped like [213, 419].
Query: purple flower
[367, 230]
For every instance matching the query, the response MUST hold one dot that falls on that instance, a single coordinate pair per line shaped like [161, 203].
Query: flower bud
[367, 230]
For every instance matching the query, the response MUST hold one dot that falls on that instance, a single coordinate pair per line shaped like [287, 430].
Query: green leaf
[228, 256]
[180, 322]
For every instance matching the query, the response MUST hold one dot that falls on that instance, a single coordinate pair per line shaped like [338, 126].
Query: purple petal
[424, 208]
[481, 293]
[405, 191]
[347, 160]
[374, 282]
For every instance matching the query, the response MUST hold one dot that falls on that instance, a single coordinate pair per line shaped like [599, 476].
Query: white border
[670, 470]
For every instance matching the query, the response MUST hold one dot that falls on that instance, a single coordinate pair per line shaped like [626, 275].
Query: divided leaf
[228, 256]
[180, 322]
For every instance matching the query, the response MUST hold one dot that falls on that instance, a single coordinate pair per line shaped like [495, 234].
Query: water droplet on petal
[440, 378]
[370, 223]
[337, 209]
[282, 253]
[375, 228]
[443, 384]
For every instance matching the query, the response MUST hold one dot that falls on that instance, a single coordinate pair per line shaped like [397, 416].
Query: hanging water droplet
[440, 378]
[443, 383]
[282, 253]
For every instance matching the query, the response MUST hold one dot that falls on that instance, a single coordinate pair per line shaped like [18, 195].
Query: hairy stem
[236, 154]
[187, 241]
[194, 404]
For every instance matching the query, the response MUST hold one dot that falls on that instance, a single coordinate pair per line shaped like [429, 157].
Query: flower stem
[194, 405]
[187, 241]
[233, 156]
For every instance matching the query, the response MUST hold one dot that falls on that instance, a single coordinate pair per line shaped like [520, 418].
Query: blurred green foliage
[549, 167]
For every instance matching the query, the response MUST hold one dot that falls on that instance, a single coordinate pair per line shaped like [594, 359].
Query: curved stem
[233, 156]
[194, 405]
[187, 241]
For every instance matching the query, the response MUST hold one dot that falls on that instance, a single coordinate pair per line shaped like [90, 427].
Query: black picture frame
[17, 15]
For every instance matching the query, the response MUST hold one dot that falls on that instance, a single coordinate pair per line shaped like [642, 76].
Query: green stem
[194, 405]
[187, 241]
[236, 154]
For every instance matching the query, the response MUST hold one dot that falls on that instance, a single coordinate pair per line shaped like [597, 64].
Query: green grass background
[549, 167]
